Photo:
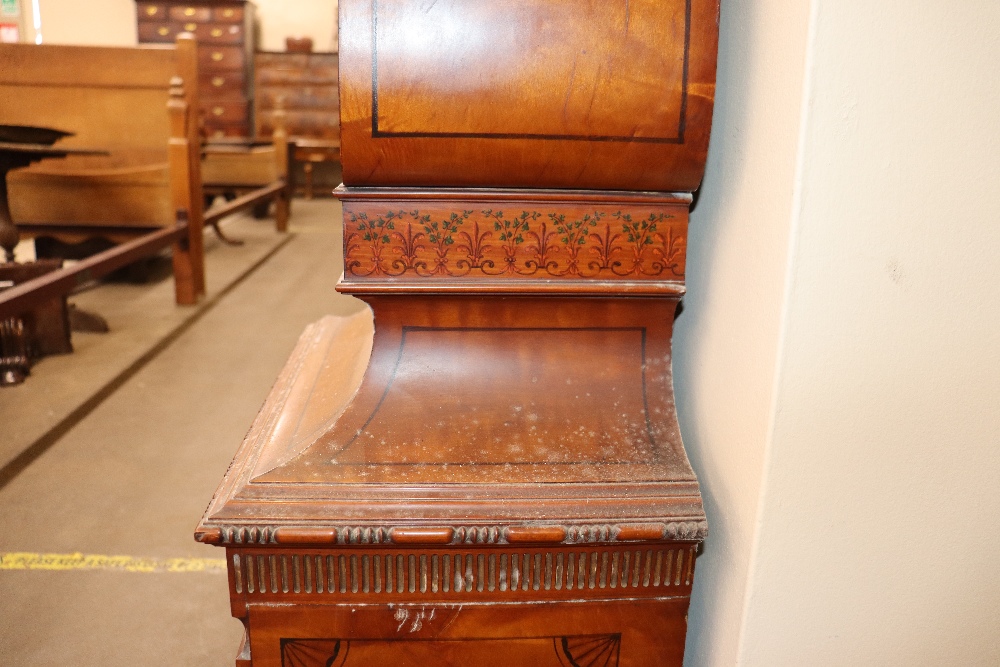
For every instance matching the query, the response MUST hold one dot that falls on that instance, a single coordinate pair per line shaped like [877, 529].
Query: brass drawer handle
[218, 81]
[216, 32]
[218, 111]
[189, 11]
[229, 13]
[152, 11]
[164, 31]
[217, 56]
[190, 27]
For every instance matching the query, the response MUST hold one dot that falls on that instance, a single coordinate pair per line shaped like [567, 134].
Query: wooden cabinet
[225, 35]
[486, 467]
[306, 84]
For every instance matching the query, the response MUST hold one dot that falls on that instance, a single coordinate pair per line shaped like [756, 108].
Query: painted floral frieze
[492, 242]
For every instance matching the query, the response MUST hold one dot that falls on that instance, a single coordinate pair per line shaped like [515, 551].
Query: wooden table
[314, 151]
[16, 339]
[15, 156]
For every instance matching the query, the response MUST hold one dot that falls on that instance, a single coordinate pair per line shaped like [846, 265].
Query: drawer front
[213, 58]
[187, 13]
[287, 73]
[151, 11]
[214, 84]
[300, 60]
[217, 130]
[205, 33]
[313, 125]
[150, 32]
[595, 634]
[292, 76]
[272, 59]
[305, 98]
[225, 110]
[216, 33]
[228, 14]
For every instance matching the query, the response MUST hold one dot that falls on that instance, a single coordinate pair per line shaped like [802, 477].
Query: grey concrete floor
[127, 439]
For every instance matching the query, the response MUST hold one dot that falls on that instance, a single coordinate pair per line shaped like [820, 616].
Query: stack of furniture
[224, 31]
[141, 189]
[235, 164]
[496, 476]
[304, 84]
[137, 104]
[141, 192]
[39, 331]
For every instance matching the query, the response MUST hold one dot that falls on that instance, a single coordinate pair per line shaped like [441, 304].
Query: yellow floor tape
[65, 562]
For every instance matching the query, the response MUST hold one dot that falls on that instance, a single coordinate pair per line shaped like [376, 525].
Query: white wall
[726, 339]
[92, 22]
[876, 541]
[113, 22]
[297, 18]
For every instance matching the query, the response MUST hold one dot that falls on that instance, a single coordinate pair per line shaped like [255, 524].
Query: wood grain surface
[522, 93]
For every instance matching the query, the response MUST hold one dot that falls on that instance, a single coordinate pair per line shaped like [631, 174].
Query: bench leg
[281, 211]
[185, 289]
[308, 169]
[189, 266]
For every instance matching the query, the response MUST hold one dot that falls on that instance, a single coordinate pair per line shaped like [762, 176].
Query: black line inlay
[399, 357]
[378, 133]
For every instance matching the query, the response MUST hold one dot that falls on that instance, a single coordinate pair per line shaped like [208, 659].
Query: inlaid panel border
[678, 139]
[648, 424]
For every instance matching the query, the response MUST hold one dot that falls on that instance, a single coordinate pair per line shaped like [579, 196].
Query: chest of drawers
[225, 35]
[305, 85]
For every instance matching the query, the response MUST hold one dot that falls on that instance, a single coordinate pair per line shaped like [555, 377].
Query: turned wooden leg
[308, 169]
[9, 235]
[14, 362]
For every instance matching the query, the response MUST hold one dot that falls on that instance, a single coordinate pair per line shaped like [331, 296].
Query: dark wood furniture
[225, 34]
[496, 477]
[44, 329]
[305, 85]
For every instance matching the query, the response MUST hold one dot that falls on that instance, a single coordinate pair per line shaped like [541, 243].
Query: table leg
[14, 364]
[308, 169]
[9, 236]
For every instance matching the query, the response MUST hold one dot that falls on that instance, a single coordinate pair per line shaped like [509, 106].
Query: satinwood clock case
[496, 475]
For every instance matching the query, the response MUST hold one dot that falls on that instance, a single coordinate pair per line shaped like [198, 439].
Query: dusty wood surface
[499, 478]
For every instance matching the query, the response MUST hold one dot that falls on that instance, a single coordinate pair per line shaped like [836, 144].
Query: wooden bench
[115, 99]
